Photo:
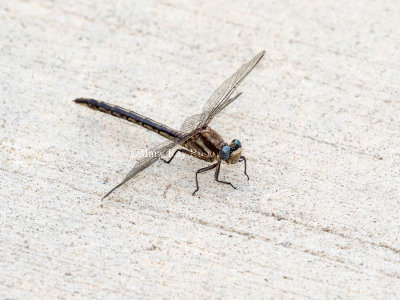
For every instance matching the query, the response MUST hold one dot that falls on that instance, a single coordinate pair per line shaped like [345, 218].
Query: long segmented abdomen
[130, 116]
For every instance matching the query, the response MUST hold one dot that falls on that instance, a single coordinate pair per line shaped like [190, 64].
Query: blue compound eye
[225, 152]
[237, 142]
[235, 145]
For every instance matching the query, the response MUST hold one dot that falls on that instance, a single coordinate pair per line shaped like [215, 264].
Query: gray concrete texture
[319, 121]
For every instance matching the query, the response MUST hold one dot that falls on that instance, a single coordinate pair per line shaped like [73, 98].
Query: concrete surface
[319, 121]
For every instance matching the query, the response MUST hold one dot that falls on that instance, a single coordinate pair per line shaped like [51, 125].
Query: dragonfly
[195, 135]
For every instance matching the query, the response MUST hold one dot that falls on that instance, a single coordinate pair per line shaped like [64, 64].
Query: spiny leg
[201, 171]
[242, 158]
[179, 150]
[217, 174]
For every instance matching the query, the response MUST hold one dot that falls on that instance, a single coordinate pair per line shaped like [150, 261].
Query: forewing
[191, 123]
[152, 156]
[224, 104]
[221, 96]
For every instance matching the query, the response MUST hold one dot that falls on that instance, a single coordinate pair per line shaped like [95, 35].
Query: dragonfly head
[231, 153]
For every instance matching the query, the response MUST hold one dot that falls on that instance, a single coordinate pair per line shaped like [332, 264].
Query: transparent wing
[220, 98]
[152, 156]
[224, 104]
[191, 123]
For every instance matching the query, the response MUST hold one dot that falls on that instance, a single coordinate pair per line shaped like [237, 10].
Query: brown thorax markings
[207, 145]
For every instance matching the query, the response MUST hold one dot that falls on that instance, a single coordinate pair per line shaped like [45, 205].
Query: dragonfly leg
[217, 174]
[173, 155]
[242, 158]
[202, 170]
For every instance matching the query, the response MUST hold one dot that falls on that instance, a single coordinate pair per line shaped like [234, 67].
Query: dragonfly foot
[226, 183]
